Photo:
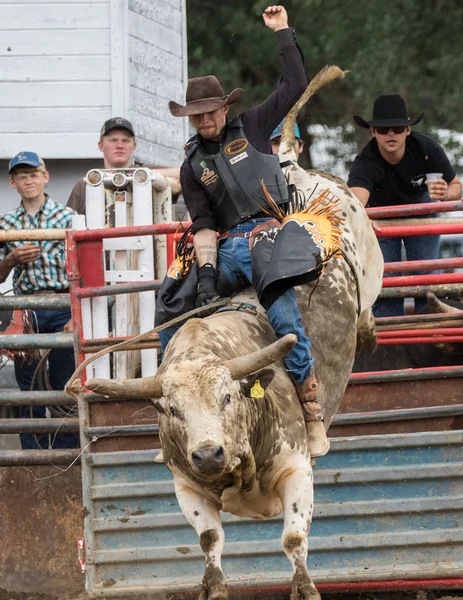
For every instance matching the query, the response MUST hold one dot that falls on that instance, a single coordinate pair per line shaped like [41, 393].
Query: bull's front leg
[296, 492]
[204, 517]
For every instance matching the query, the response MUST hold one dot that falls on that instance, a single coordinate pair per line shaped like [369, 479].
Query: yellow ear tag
[257, 391]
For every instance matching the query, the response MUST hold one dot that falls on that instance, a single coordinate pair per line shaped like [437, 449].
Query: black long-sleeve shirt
[258, 123]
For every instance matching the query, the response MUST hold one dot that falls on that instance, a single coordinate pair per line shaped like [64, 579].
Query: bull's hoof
[213, 586]
[216, 591]
[303, 586]
[305, 592]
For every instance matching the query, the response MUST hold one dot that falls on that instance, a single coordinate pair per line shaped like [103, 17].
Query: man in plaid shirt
[38, 268]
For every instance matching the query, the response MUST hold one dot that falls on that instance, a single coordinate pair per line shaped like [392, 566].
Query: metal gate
[388, 508]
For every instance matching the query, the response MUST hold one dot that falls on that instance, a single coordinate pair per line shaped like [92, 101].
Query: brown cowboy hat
[203, 95]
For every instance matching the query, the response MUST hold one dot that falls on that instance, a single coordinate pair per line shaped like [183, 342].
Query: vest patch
[208, 177]
[236, 159]
[236, 146]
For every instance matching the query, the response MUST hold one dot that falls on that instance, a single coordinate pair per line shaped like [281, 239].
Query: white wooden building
[68, 65]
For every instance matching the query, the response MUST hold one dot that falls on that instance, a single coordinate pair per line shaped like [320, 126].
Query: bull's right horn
[148, 387]
[241, 366]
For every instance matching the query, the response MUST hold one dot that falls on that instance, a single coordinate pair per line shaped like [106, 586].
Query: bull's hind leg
[296, 493]
[203, 515]
[366, 332]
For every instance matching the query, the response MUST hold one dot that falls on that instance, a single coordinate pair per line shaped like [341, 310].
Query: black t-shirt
[402, 183]
[258, 124]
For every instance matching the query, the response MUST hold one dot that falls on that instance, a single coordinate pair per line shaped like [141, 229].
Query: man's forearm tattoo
[207, 253]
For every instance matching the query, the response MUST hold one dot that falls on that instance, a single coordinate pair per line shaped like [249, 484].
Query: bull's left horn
[149, 387]
[438, 306]
[242, 366]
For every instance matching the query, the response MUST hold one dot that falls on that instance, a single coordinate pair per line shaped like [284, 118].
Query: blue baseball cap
[279, 130]
[31, 159]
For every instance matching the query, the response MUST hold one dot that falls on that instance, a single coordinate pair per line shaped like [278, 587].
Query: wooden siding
[157, 74]
[68, 65]
[55, 76]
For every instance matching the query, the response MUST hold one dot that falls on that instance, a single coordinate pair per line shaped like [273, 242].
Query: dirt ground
[5, 595]
[399, 595]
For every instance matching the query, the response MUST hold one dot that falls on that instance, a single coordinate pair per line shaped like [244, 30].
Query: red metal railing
[412, 285]
[423, 265]
[86, 271]
[85, 268]
[413, 210]
[86, 276]
[350, 587]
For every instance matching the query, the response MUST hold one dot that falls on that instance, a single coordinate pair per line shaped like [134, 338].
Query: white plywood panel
[156, 34]
[154, 154]
[149, 104]
[169, 134]
[45, 94]
[186, 122]
[160, 12]
[155, 83]
[56, 120]
[175, 3]
[119, 56]
[55, 68]
[51, 145]
[157, 59]
[41, 15]
[53, 2]
[82, 42]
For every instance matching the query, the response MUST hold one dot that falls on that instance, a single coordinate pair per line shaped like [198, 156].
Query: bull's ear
[158, 405]
[254, 386]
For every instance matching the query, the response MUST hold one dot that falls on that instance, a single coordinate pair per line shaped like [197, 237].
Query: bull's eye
[173, 412]
[227, 399]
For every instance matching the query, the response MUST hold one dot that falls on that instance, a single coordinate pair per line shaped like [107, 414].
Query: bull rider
[221, 179]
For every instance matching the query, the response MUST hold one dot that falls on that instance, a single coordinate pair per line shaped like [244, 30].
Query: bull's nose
[209, 459]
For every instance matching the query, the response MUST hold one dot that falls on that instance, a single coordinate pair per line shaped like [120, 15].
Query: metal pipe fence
[86, 281]
[63, 425]
[35, 301]
[406, 210]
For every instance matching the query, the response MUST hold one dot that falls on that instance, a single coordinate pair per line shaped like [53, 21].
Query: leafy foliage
[414, 48]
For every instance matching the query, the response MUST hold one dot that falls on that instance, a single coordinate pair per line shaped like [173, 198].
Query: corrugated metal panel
[387, 507]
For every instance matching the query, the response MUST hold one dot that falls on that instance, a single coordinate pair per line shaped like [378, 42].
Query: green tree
[414, 48]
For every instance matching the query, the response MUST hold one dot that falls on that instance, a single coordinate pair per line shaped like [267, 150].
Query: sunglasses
[395, 129]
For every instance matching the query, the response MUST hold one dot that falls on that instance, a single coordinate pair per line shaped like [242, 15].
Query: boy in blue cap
[38, 268]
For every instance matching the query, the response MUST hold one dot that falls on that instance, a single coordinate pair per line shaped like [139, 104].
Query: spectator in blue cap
[38, 268]
[275, 139]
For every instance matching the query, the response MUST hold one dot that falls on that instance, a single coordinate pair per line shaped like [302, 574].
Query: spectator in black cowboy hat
[392, 169]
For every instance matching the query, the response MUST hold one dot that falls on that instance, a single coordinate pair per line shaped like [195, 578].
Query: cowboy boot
[318, 443]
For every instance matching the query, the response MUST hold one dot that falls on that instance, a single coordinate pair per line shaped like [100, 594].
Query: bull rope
[75, 388]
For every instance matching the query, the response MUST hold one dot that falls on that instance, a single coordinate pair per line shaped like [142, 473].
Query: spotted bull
[231, 424]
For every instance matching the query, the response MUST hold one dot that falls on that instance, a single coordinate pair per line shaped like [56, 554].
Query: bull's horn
[324, 77]
[148, 387]
[439, 307]
[250, 363]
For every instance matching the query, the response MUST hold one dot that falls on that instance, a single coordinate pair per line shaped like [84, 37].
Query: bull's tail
[326, 76]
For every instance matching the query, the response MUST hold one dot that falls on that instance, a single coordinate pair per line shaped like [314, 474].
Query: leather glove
[207, 285]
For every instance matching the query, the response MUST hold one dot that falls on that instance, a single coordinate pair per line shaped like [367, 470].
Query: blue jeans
[61, 367]
[421, 247]
[284, 316]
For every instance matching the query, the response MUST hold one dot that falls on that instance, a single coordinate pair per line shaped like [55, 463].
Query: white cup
[433, 176]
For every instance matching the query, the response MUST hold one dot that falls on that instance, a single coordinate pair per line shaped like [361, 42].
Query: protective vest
[233, 177]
